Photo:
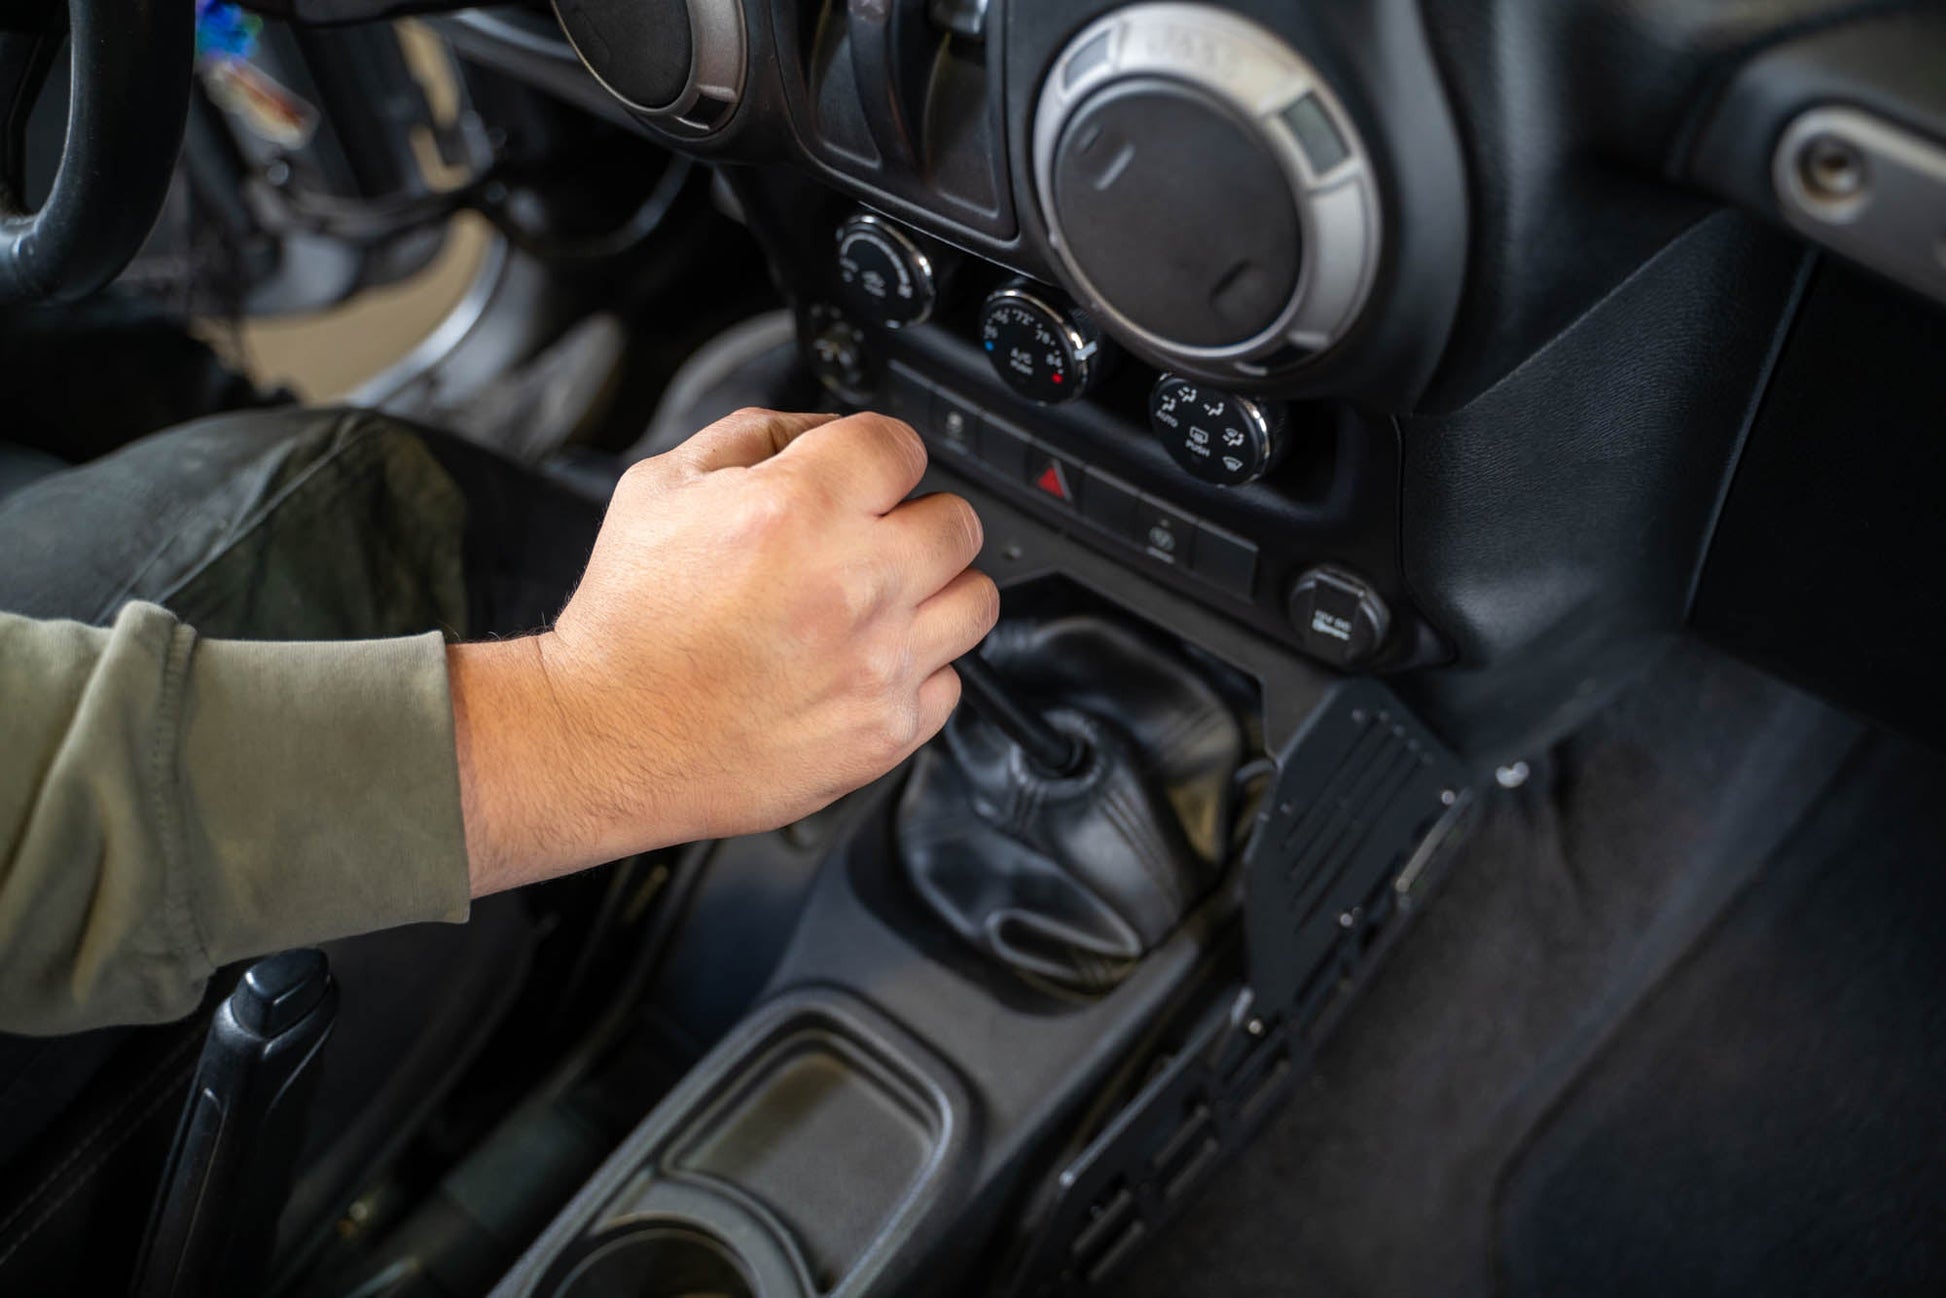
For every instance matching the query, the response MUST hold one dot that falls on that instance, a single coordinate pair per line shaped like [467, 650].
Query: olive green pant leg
[291, 524]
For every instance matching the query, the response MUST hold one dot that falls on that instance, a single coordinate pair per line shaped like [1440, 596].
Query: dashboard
[1425, 339]
[1207, 190]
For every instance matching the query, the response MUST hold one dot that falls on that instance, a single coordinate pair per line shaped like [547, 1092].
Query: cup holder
[651, 1259]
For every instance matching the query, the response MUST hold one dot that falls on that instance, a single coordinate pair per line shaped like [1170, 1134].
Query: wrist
[513, 737]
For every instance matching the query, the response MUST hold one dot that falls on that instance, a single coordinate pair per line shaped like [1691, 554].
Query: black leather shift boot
[1071, 879]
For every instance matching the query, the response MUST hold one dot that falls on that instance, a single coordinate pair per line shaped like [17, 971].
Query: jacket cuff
[318, 792]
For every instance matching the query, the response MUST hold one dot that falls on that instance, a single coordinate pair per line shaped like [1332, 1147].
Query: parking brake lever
[1052, 751]
[230, 1170]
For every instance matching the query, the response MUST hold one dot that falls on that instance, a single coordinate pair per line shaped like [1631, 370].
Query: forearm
[557, 774]
[520, 801]
[767, 622]
[169, 805]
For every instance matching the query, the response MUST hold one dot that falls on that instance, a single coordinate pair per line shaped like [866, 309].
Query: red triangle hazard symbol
[1053, 481]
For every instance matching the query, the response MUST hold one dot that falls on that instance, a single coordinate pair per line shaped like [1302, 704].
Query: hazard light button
[1054, 476]
[1052, 481]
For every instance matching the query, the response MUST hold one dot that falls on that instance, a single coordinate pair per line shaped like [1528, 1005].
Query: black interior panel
[1550, 525]
[1822, 564]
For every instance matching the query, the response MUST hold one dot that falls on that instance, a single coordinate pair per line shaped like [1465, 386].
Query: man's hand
[766, 623]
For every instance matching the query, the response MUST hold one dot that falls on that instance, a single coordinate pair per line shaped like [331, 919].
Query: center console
[1136, 274]
[929, 1095]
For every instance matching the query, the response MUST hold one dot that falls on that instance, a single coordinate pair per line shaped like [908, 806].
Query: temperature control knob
[1216, 435]
[888, 276]
[1047, 352]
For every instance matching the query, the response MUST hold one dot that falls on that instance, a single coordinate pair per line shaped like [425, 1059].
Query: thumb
[745, 438]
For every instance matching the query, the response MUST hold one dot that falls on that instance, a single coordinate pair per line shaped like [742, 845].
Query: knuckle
[899, 439]
[883, 666]
[897, 731]
[986, 595]
[641, 475]
[954, 689]
[760, 515]
[857, 592]
[806, 491]
[967, 519]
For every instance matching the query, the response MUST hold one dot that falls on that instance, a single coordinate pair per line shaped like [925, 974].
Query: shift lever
[1078, 806]
[981, 688]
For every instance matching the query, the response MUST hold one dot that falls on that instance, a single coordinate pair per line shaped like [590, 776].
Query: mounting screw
[1447, 797]
[1255, 1027]
[1831, 168]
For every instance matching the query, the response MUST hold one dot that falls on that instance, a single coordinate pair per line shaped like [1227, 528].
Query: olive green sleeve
[170, 804]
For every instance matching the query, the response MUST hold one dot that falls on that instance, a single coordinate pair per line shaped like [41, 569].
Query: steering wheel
[130, 68]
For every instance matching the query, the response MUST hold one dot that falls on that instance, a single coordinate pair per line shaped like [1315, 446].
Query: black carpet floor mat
[1772, 1117]
[1659, 1000]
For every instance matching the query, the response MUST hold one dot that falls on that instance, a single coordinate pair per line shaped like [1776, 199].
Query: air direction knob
[1215, 435]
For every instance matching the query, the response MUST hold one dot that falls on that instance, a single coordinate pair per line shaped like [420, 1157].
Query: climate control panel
[1255, 505]
[972, 436]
